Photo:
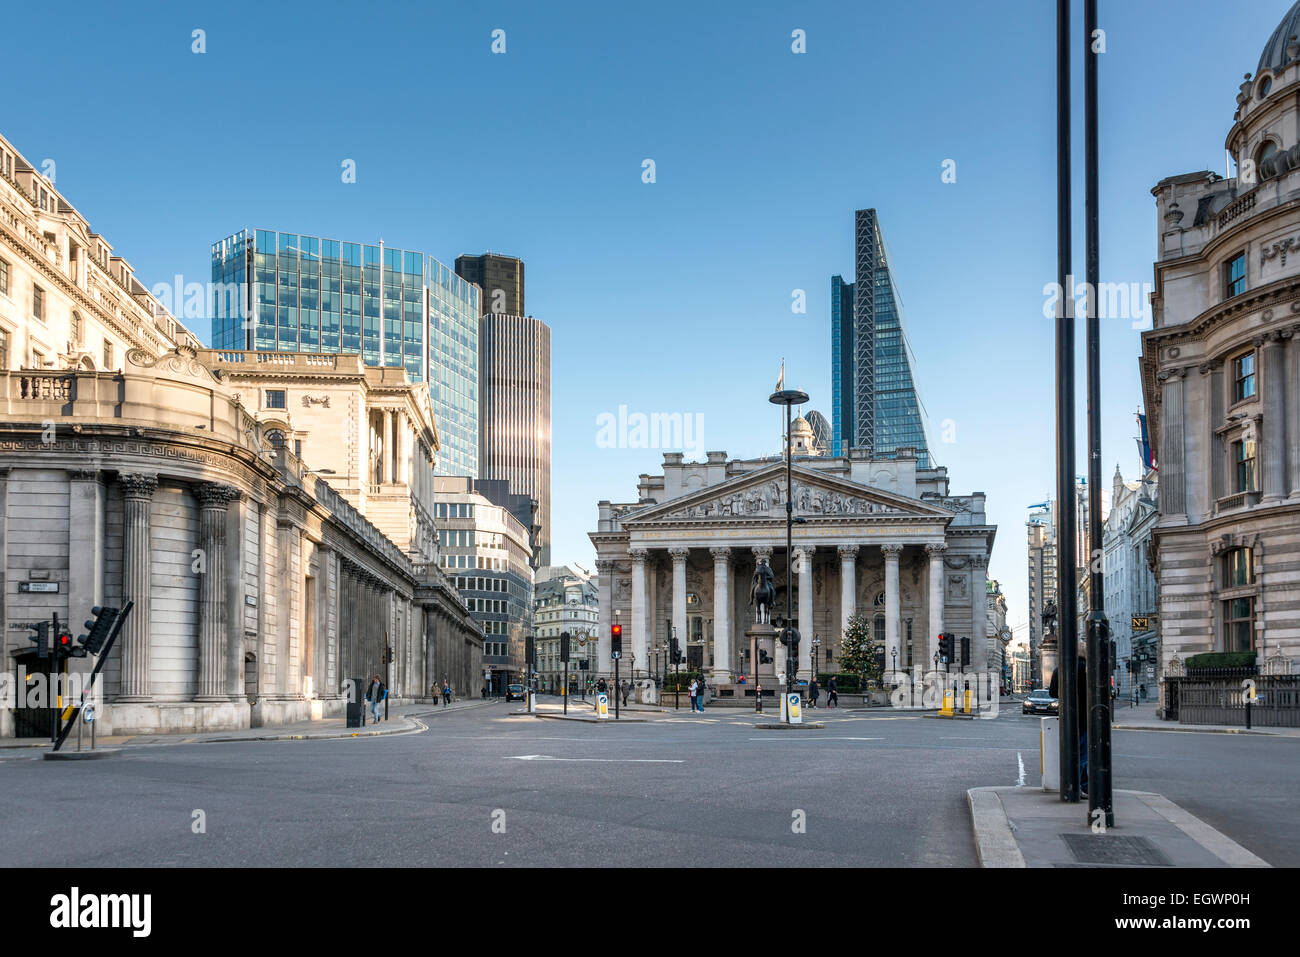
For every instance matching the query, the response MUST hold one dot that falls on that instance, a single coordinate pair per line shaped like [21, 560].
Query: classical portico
[683, 563]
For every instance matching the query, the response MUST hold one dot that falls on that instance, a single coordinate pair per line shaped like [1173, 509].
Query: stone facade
[1221, 382]
[882, 538]
[258, 589]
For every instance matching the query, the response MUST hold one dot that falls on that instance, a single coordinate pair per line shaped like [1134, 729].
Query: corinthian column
[679, 556]
[137, 495]
[804, 562]
[213, 625]
[639, 556]
[935, 579]
[892, 552]
[1274, 453]
[721, 613]
[979, 634]
[848, 585]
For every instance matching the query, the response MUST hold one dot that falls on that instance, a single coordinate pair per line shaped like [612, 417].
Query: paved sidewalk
[1143, 718]
[1029, 827]
[403, 719]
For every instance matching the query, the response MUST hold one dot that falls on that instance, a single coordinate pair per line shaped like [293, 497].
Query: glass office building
[876, 403]
[285, 292]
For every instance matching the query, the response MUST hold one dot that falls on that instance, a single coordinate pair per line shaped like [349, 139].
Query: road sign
[616, 655]
[1151, 671]
[88, 715]
[602, 705]
[793, 708]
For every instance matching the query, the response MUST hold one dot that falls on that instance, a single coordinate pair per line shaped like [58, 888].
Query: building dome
[1275, 58]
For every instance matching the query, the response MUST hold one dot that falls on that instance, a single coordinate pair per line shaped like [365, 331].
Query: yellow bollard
[948, 701]
[966, 706]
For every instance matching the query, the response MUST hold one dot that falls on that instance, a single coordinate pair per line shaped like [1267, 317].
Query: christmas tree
[858, 651]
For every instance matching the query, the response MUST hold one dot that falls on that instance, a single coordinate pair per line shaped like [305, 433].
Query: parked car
[514, 692]
[1039, 702]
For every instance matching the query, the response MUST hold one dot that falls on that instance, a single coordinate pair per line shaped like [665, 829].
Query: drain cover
[1114, 850]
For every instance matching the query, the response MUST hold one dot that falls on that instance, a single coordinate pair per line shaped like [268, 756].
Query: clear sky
[672, 296]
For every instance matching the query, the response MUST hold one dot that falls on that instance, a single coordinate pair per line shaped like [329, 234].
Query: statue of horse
[762, 593]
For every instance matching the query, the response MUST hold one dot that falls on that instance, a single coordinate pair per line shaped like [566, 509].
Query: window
[1243, 454]
[275, 399]
[1239, 624]
[4, 350]
[1235, 275]
[38, 303]
[76, 327]
[1243, 377]
[1238, 568]
[4, 277]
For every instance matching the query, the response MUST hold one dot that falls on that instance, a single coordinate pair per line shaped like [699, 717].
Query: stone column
[389, 474]
[679, 556]
[137, 497]
[892, 553]
[1173, 500]
[638, 642]
[848, 585]
[1273, 363]
[979, 635]
[605, 587]
[935, 579]
[722, 626]
[804, 563]
[214, 628]
[1293, 407]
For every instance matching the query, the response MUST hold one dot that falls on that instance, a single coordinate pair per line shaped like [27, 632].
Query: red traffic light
[616, 631]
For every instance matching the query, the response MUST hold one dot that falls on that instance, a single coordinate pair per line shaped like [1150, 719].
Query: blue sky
[673, 296]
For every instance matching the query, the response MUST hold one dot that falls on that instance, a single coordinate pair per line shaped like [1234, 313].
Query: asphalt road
[486, 788]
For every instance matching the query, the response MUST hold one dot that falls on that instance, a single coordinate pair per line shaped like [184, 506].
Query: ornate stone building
[881, 538]
[1221, 382]
[136, 466]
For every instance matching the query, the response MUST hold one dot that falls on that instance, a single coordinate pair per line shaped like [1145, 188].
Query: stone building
[1129, 580]
[140, 467]
[1221, 382]
[882, 538]
[564, 599]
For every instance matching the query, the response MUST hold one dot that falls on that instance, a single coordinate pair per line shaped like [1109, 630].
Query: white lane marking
[547, 757]
[1020, 759]
[771, 737]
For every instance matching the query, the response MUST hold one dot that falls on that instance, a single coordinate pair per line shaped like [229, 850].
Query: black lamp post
[789, 398]
[816, 650]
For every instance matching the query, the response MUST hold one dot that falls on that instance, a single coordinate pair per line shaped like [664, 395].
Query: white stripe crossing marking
[547, 757]
[1020, 759]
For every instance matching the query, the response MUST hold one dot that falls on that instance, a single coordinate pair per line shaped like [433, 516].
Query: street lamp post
[789, 398]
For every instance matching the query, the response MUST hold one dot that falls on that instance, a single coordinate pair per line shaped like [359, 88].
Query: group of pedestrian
[697, 691]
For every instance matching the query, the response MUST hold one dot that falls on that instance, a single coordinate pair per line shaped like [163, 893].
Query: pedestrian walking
[627, 687]
[375, 694]
[483, 693]
[700, 695]
[832, 693]
[813, 691]
[446, 693]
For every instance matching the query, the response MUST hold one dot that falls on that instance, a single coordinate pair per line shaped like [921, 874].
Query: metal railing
[1218, 697]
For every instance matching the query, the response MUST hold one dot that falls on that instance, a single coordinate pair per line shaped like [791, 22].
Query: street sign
[616, 655]
[602, 705]
[1151, 671]
[1141, 623]
[88, 715]
[793, 708]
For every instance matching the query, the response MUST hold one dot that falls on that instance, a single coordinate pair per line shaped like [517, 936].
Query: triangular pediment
[760, 495]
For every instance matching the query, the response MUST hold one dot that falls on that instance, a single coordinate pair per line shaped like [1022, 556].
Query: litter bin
[356, 710]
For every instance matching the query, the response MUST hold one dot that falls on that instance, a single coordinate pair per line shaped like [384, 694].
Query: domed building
[1221, 383]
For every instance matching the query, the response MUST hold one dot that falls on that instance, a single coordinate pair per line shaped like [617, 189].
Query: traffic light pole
[99, 665]
[52, 669]
[388, 674]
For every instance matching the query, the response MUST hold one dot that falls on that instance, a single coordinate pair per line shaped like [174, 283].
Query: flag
[1144, 444]
[780, 380]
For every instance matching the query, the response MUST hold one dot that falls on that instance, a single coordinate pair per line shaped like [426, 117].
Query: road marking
[1020, 759]
[547, 757]
[771, 737]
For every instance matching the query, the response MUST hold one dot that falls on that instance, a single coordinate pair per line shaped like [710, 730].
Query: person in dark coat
[1081, 703]
[813, 691]
[832, 693]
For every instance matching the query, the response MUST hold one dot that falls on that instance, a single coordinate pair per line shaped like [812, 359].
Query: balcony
[1235, 501]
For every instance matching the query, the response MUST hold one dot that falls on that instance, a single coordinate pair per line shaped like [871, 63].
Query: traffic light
[945, 646]
[616, 640]
[965, 651]
[564, 646]
[99, 628]
[678, 657]
[530, 650]
[41, 635]
[64, 648]
[389, 657]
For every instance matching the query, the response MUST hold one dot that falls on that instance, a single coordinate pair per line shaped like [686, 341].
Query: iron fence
[1221, 699]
